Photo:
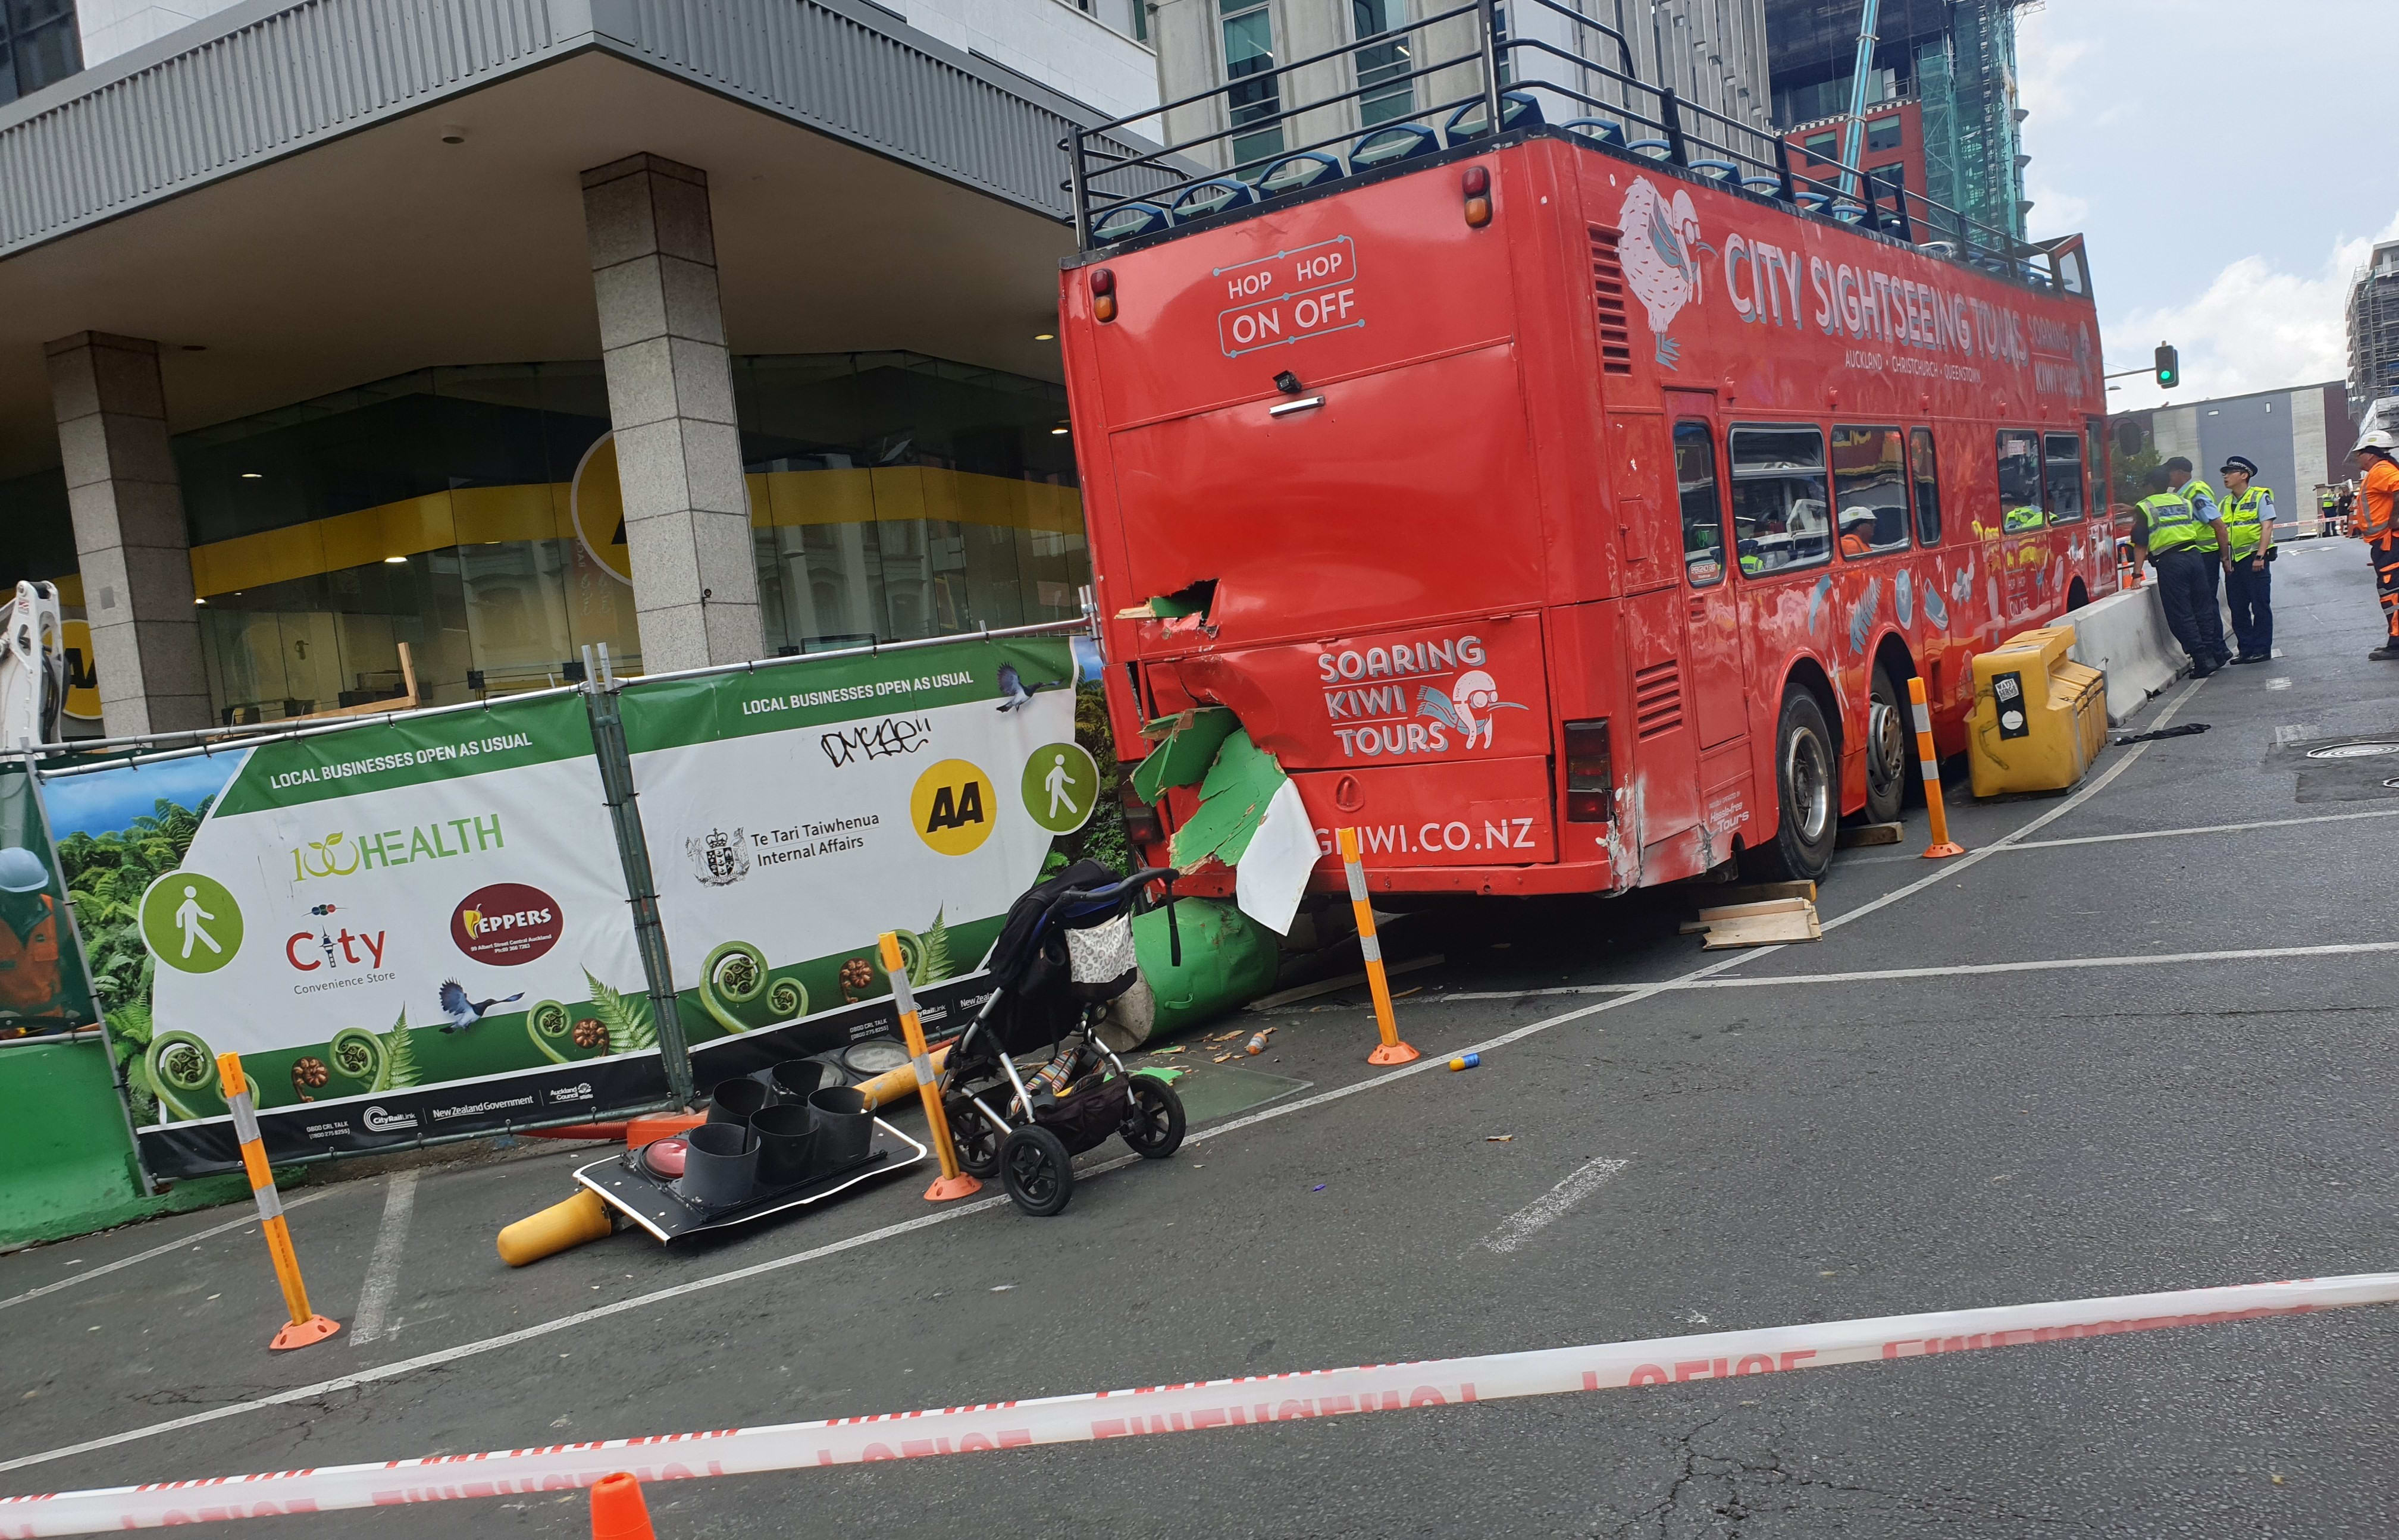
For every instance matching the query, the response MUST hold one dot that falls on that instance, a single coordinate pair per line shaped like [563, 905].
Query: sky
[110, 799]
[2228, 161]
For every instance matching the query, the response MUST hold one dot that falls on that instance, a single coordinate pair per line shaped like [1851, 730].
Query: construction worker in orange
[30, 985]
[2375, 524]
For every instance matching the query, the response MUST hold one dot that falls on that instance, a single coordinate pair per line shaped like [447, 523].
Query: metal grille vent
[1607, 288]
[1657, 698]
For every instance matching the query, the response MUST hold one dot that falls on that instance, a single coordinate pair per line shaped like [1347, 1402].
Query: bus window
[1925, 466]
[1780, 520]
[2062, 472]
[2019, 481]
[1695, 478]
[2095, 455]
[1870, 489]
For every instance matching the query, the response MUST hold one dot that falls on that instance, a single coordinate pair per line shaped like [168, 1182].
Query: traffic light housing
[2169, 366]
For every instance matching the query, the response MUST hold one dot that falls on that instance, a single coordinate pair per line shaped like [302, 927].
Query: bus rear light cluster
[1103, 294]
[1476, 185]
[1591, 774]
[1142, 824]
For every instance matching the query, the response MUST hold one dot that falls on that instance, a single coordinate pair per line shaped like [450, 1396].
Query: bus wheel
[1890, 748]
[1807, 790]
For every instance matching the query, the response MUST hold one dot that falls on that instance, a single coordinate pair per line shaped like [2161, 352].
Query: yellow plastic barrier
[2040, 718]
[580, 1219]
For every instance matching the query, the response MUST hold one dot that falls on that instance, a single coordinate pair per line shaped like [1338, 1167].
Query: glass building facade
[473, 514]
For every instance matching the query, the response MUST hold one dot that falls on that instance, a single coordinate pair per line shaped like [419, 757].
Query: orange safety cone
[1941, 846]
[1391, 1050]
[952, 1183]
[618, 1511]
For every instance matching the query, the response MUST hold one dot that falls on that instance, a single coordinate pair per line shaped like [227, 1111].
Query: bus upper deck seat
[1293, 172]
[1126, 222]
[1389, 146]
[1517, 109]
[1598, 129]
[1201, 199]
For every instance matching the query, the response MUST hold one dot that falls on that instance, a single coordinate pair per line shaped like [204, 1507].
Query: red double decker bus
[1568, 506]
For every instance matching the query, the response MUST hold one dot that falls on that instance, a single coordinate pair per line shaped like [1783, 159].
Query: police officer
[2201, 498]
[2185, 548]
[2248, 546]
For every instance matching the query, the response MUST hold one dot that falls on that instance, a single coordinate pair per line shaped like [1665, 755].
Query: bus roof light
[1103, 294]
[1476, 185]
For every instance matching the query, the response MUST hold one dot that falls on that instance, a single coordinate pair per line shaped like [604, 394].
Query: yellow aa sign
[954, 808]
[83, 678]
[596, 500]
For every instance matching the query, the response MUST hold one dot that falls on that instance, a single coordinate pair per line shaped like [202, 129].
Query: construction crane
[33, 670]
[1853, 135]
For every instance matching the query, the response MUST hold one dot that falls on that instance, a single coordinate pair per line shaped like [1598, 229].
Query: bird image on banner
[465, 1013]
[1466, 706]
[1660, 250]
[1013, 692]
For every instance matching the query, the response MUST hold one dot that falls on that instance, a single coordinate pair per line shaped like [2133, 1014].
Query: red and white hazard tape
[1172, 1409]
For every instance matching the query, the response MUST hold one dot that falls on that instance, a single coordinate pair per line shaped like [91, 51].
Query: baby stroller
[1065, 951]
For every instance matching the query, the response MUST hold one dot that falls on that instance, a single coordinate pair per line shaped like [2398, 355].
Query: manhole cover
[2354, 751]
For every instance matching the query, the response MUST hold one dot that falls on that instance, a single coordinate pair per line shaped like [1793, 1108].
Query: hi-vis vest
[2242, 516]
[2174, 524]
[2191, 492]
[29, 964]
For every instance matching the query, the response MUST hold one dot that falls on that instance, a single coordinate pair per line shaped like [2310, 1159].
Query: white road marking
[2041, 965]
[926, 1222]
[2278, 683]
[382, 1267]
[248, 1219]
[2204, 828]
[1520, 1226]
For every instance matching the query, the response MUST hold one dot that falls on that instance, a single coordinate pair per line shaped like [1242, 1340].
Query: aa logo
[953, 806]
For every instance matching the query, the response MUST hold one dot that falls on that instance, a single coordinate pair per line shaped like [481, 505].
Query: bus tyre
[1891, 747]
[1807, 790]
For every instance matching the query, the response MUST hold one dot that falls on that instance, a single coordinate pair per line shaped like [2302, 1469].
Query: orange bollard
[1940, 848]
[1391, 1051]
[952, 1182]
[305, 1326]
[618, 1510]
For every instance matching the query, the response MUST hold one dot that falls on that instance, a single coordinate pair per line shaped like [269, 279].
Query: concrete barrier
[2124, 636]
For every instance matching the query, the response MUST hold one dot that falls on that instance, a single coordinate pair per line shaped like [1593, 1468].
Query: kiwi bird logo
[1467, 706]
[1660, 250]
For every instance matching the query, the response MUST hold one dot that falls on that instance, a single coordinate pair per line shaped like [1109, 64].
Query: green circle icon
[190, 921]
[1061, 787]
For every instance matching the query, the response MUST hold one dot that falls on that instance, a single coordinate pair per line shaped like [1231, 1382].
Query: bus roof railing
[1508, 74]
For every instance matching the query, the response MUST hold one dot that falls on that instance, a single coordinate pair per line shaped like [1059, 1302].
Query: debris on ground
[1770, 923]
[1347, 980]
[2187, 729]
[1257, 1042]
[1466, 1061]
[1498, 1139]
[1870, 834]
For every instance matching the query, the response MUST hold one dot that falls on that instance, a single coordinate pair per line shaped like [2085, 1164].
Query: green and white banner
[405, 930]
[795, 813]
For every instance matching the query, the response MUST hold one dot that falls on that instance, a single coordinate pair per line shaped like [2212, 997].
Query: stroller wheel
[1153, 1126]
[976, 1141]
[1037, 1170]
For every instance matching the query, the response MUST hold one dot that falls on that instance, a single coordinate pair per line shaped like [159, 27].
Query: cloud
[2055, 211]
[2045, 65]
[2254, 327]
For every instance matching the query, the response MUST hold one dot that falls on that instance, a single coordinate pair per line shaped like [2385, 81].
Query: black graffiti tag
[891, 736]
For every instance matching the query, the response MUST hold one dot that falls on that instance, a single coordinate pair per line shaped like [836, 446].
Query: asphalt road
[1792, 1150]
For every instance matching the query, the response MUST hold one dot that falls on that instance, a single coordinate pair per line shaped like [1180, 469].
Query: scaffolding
[1990, 149]
[2373, 330]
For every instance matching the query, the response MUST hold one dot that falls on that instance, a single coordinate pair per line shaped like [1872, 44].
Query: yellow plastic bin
[2040, 718]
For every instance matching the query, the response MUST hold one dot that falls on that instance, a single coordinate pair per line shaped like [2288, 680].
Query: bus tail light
[1141, 820]
[1103, 294]
[1476, 185]
[1590, 776]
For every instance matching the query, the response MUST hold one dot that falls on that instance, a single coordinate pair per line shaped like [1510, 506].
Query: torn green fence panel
[1232, 803]
[1187, 746]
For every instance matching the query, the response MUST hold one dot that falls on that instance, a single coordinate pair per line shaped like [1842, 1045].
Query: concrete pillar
[130, 541]
[671, 401]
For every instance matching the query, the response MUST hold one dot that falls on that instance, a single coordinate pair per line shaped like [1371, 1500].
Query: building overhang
[273, 193]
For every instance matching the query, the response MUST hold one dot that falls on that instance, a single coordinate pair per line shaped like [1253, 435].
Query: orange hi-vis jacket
[2375, 499]
[29, 964]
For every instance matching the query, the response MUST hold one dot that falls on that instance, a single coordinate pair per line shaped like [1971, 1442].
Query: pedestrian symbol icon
[190, 921]
[1061, 787]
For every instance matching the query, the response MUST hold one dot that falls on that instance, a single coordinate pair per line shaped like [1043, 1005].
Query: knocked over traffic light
[2169, 366]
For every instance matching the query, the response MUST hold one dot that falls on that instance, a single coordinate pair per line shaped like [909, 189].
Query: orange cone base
[316, 1329]
[1393, 1053]
[947, 1189]
[618, 1511]
[1942, 852]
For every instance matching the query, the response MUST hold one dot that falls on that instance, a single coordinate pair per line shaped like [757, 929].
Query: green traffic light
[2169, 365]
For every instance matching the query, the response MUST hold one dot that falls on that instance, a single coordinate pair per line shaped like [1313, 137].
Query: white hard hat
[22, 871]
[2382, 440]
